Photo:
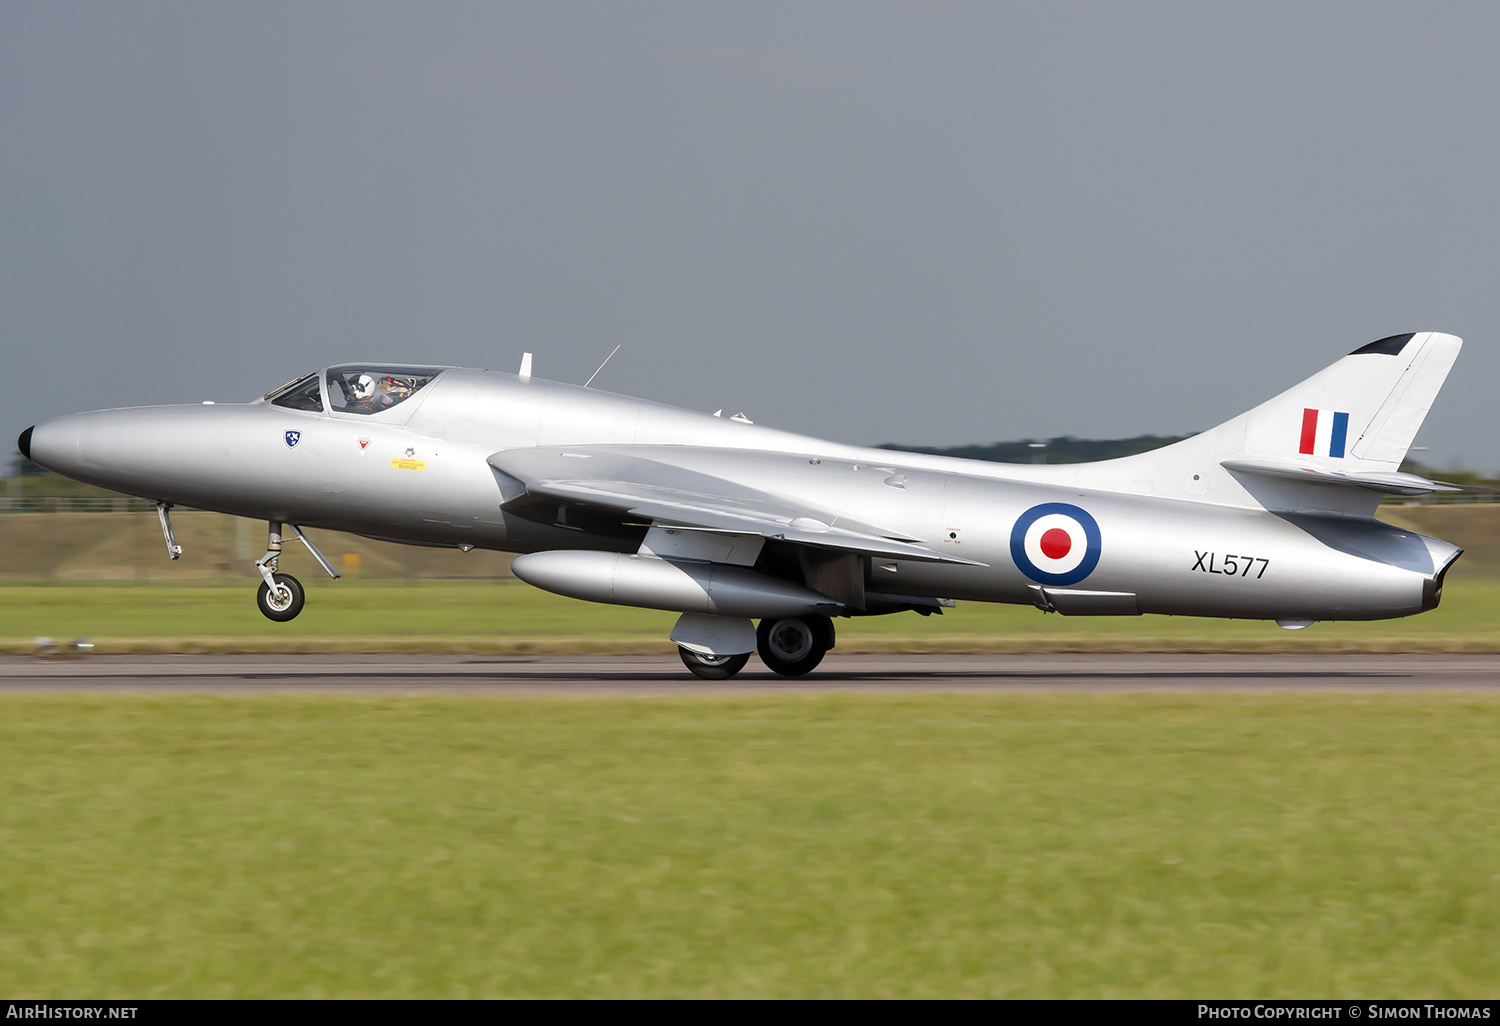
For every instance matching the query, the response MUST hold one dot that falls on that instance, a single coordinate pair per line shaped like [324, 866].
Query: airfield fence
[75, 504]
[1470, 498]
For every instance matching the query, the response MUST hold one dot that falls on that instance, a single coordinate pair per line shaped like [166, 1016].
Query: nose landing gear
[281, 596]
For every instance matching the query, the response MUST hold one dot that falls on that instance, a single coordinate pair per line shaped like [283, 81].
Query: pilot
[363, 396]
[367, 395]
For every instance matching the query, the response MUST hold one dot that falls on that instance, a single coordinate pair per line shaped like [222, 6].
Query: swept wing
[666, 494]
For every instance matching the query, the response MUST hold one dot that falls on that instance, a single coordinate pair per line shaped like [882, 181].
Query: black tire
[713, 667]
[288, 604]
[794, 645]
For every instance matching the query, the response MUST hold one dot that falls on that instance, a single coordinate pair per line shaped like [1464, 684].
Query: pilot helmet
[362, 387]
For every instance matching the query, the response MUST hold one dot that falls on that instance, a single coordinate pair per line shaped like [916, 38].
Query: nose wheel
[284, 601]
[281, 597]
[794, 645]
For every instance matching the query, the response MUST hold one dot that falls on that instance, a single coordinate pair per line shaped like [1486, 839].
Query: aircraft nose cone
[151, 451]
[53, 444]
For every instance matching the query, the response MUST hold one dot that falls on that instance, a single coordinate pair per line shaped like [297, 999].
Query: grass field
[947, 845]
[507, 616]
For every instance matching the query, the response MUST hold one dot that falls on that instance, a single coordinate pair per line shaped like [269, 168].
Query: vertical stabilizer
[1332, 444]
[1362, 412]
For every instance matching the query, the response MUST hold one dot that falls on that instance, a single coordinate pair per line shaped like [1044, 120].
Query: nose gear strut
[281, 596]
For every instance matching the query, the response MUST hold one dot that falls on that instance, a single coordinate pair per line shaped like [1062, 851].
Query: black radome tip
[1391, 345]
[24, 442]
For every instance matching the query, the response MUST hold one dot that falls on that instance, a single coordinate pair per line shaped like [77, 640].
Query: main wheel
[285, 602]
[713, 667]
[794, 645]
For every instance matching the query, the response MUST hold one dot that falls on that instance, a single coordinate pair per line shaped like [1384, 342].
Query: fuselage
[417, 473]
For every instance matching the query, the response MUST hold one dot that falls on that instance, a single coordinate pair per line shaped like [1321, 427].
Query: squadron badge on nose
[1055, 543]
[292, 438]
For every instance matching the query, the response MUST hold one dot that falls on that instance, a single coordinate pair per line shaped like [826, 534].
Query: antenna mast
[594, 375]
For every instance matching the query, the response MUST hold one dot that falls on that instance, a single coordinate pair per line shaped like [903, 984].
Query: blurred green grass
[508, 616]
[812, 845]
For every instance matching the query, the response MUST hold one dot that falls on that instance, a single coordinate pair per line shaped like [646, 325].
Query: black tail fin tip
[1391, 345]
[24, 442]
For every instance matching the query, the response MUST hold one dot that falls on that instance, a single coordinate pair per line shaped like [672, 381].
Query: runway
[656, 675]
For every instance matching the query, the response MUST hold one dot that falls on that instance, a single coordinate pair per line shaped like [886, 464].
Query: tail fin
[1333, 443]
[1359, 414]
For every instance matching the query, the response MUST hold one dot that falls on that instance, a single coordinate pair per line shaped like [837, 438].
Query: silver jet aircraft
[613, 499]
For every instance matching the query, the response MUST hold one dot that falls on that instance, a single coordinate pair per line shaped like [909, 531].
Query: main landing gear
[281, 596]
[790, 646]
[794, 645]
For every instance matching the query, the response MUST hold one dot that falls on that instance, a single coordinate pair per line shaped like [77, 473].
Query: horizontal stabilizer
[1389, 482]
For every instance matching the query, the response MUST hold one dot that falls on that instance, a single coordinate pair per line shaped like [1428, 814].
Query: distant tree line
[1471, 479]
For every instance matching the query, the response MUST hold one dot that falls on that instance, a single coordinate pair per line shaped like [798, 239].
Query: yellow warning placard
[406, 463]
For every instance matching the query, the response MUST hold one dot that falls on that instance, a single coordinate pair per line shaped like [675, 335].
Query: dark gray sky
[924, 222]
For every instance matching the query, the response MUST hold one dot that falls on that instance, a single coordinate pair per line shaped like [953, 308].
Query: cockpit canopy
[303, 394]
[363, 388]
[355, 388]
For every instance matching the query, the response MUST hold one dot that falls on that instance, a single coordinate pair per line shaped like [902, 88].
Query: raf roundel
[1055, 543]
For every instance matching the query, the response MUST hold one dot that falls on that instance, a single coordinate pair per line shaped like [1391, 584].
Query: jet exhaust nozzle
[654, 583]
